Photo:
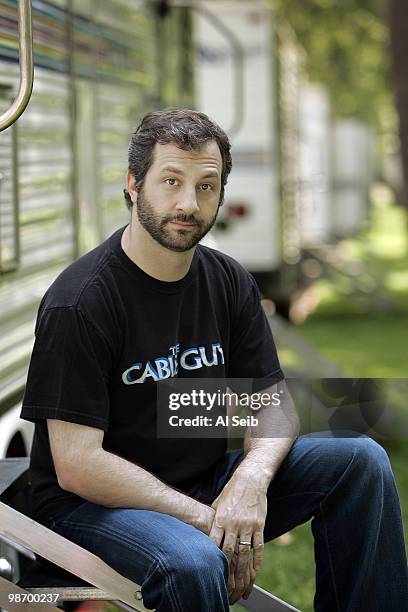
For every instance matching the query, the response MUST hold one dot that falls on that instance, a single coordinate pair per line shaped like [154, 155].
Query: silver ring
[246, 543]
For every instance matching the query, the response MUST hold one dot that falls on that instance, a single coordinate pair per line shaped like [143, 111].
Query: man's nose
[187, 201]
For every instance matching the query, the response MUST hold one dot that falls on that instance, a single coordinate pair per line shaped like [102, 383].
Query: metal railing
[25, 44]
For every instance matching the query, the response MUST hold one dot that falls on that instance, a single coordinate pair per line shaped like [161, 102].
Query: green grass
[288, 571]
[371, 346]
[364, 341]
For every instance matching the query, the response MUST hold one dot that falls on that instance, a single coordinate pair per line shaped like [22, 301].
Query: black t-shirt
[106, 332]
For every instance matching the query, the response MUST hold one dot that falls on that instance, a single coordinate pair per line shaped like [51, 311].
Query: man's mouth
[183, 223]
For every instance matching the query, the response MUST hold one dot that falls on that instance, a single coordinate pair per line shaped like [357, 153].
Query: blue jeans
[344, 484]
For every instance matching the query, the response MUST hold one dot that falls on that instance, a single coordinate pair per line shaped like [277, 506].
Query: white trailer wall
[315, 171]
[352, 159]
[254, 239]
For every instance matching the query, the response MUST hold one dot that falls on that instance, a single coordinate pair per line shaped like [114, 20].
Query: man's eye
[206, 187]
[171, 181]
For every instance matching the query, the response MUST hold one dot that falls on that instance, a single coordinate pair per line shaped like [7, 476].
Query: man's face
[179, 201]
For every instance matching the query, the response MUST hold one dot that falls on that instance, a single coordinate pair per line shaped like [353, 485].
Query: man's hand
[240, 508]
[240, 514]
[237, 589]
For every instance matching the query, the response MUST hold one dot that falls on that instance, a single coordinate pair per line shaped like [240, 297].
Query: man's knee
[204, 562]
[367, 461]
[193, 575]
[203, 565]
[371, 456]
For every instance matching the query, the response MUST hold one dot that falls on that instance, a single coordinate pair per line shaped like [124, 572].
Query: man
[182, 517]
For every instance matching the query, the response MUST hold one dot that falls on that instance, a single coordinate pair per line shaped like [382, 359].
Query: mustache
[184, 219]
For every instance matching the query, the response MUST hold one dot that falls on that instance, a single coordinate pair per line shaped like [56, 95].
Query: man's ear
[131, 186]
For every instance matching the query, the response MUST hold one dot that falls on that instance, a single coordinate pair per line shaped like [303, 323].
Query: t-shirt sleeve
[253, 352]
[69, 370]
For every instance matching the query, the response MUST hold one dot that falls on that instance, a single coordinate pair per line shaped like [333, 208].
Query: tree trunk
[398, 19]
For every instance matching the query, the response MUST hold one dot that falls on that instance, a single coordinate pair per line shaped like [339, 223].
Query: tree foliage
[347, 48]
[399, 49]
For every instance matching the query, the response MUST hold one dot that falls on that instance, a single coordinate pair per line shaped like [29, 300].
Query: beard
[179, 239]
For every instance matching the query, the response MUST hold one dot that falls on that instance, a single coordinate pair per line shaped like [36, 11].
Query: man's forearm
[268, 444]
[109, 480]
[263, 458]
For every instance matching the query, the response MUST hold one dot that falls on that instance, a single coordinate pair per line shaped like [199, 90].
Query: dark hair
[188, 129]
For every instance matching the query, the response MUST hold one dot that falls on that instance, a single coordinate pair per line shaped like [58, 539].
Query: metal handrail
[25, 45]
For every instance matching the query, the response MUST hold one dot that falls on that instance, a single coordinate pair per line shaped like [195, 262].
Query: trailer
[353, 172]
[315, 136]
[259, 224]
